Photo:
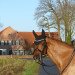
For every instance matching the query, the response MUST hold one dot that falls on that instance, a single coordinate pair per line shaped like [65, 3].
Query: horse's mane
[60, 42]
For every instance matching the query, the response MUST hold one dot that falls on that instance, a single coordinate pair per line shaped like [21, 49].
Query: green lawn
[10, 66]
[31, 68]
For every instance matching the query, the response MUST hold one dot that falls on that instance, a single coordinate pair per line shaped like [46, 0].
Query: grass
[31, 68]
[14, 66]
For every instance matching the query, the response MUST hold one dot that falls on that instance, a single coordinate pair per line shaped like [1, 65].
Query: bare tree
[61, 13]
[44, 23]
[47, 8]
[68, 16]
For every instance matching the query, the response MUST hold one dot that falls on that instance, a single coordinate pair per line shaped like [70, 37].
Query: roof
[4, 34]
[30, 37]
[27, 36]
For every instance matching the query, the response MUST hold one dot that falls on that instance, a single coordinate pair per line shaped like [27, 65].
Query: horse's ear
[43, 32]
[35, 35]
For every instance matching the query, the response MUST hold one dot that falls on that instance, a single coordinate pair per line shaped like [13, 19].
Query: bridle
[43, 55]
[43, 64]
[44, 46]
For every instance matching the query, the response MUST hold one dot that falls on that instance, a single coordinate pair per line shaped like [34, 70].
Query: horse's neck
[59, 52]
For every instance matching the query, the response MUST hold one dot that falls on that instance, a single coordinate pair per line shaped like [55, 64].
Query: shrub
[11, 66]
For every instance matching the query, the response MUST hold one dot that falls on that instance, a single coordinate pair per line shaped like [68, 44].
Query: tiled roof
[30, 37]
[4, 34]
[27, 36]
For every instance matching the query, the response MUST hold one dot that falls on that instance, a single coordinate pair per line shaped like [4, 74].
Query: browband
[39, 40]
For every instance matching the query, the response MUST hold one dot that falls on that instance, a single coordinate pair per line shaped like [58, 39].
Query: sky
[19, 14]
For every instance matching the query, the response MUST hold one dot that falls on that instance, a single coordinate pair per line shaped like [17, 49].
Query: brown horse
[61, 53]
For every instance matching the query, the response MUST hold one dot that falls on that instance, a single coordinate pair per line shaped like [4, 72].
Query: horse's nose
[34, 57]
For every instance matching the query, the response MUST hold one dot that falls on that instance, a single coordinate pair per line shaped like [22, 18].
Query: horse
[62, 54]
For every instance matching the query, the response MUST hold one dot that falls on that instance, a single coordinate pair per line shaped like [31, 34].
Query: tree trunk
[58, 23]
[68, 35]
[49, 30]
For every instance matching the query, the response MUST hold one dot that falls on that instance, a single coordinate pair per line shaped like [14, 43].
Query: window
[5, 42]
[21, 52]
[10, 42]
[17, 42]
[2, 42]
[16, 52]
[13, 42]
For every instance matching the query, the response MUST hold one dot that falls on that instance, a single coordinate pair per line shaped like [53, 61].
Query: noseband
[37, 42]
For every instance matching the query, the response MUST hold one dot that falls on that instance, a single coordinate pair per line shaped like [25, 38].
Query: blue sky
[19, 14]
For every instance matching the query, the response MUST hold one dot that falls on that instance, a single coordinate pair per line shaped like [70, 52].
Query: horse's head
[40, 45]
[57, 50]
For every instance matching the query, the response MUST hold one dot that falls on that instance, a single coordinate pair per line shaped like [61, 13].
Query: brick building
[18, 43]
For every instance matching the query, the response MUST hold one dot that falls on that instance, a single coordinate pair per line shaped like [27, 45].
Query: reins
[45, 65]
[73, 53]
[41, 62]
